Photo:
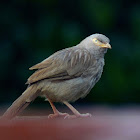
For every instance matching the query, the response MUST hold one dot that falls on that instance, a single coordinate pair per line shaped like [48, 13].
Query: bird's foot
[77, 116]
[58, 114]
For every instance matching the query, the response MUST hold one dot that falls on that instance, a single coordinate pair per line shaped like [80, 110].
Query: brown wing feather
[64, 64]
[43, 64]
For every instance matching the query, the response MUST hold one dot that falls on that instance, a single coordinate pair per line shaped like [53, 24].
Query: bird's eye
[95, 40]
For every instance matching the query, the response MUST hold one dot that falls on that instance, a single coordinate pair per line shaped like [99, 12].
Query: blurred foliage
[32, 30]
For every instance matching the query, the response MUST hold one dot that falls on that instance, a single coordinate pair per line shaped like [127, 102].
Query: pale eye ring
[96, 40]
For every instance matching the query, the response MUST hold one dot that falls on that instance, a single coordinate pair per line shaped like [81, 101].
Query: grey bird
[65, 76]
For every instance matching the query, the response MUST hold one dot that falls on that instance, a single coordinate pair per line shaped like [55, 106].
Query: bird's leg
[56, 112]
[76, 113]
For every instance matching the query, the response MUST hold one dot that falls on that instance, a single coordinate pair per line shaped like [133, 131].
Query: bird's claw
[77, 116]
[70, 117]
[51, 116]
[85, 115]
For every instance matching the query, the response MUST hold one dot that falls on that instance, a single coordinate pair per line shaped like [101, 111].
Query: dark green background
[32, 30]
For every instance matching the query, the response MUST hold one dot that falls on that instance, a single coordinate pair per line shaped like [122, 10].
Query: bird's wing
[65, 64]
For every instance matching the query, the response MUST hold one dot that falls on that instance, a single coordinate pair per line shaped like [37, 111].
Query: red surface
[111, 127]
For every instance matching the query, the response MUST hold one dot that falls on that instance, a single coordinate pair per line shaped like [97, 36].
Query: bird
[65, 76]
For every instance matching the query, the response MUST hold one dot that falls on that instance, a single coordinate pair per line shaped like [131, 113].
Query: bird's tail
[21, 103]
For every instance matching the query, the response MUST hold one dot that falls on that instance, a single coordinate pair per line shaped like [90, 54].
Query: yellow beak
[107, 45]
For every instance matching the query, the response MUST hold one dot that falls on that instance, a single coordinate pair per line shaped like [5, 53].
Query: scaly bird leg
[76, 113]
[56, 112]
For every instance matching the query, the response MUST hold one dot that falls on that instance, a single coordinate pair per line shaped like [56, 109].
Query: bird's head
[97, 41]
[100, 41]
